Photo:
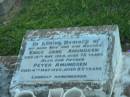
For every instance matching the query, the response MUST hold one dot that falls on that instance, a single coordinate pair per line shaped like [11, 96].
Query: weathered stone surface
[7, 66]
[122, 88]
[102, 49]
[8, 10]
[4, 83]
[6, 5]
[9, 61]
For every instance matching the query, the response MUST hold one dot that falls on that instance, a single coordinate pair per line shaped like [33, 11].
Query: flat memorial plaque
[78, 54]
[58, 59]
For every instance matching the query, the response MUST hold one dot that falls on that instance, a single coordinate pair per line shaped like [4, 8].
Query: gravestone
[88, 58]
[122, 86]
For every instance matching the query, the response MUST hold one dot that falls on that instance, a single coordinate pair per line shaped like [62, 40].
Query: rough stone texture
[3, 81]
[5, 6]
[122, 88]
[9, 61]
[7, 66]
[8, 9]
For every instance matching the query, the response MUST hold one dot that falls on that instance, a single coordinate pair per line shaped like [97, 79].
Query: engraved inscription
[77, 58]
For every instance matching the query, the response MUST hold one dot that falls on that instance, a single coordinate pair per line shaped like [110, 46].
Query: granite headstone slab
[86, 57]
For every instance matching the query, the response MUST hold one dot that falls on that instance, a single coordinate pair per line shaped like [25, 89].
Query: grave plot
[84, 60]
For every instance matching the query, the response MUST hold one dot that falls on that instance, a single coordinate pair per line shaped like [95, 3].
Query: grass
[41, 14]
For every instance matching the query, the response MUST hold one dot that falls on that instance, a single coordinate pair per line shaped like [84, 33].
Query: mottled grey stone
[5, 6]
[4, 83]
[122, 87]
[7, 66]
[1, 1]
